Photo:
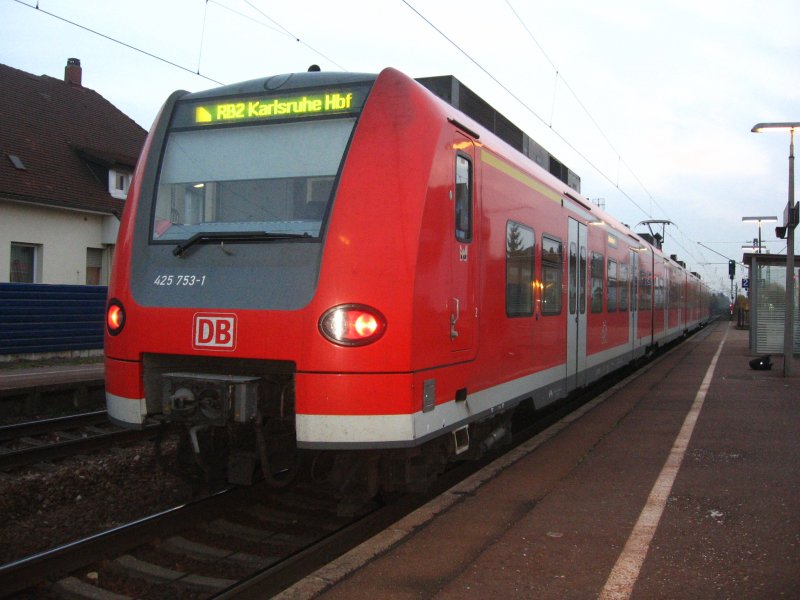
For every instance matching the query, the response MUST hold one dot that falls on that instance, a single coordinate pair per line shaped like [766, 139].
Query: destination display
[343, 101]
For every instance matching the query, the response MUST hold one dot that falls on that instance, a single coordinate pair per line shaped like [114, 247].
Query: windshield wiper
[235, 236]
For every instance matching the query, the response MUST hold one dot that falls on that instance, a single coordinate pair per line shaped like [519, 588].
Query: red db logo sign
[214, 331]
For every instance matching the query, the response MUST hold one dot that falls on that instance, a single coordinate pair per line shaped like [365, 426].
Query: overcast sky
[651, 103]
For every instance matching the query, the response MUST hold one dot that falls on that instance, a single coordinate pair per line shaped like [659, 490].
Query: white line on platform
[619, 585]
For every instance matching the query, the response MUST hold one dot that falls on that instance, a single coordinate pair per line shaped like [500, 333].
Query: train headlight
[352, 325]
[115, 317]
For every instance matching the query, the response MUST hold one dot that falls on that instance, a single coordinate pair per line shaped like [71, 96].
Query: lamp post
[789, 222]
[759, 220]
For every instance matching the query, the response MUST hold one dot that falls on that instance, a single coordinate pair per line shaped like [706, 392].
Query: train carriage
[349, 264]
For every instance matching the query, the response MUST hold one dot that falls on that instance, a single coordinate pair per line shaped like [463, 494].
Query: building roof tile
[58, 131]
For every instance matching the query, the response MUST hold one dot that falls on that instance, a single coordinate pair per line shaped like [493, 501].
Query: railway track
[23, 444]
[240, 543]
[228, 541]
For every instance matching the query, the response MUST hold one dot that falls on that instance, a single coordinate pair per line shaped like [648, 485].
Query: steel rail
[28, 572]
[43, 426]
[15, 459]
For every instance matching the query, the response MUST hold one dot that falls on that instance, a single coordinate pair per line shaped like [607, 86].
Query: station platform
[13, 377]
[681, 482]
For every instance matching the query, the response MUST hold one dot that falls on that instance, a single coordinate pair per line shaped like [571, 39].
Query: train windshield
[272, 179]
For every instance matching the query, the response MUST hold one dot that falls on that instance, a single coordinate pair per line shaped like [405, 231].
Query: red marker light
[352, 325]
[115, 317]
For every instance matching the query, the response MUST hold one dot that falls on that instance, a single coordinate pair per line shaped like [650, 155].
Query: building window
[520, 241]
[17, 162]
[552, 260]
[118, 183]
[25, 260]
[94, 266]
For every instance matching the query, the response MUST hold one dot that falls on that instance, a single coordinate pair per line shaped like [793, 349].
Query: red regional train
[376, 269]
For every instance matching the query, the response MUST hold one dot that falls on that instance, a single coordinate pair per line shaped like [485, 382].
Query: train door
[464, 256]
[576, 319]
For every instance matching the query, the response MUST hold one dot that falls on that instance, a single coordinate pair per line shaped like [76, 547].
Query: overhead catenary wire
[526, 106]
[289, 33]
[620, 160]
[118, 41]
[560, 77]
[202, 36]
[266, 21]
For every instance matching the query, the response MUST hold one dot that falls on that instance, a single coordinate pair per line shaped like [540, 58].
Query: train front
[214, 288]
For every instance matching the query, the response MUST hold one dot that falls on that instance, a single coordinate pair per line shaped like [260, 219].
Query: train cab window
[596, 305]
[611, 278]
[463, 200]
[520, 241]
[283, 187]
[551, 275]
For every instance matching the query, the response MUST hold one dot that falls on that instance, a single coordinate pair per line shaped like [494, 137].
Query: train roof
[449, 89]
[459, 96]
[285, 82]
[446, 87]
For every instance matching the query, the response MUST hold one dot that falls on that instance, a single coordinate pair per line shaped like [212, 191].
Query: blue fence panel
[51, 318]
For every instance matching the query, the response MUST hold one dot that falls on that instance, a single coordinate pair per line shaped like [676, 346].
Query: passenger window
[573, 277]
[645, 290]
[463, 200]
[623, 287]
[596, 305]
[611, 277]
[552, 261]
[520, 241]
[582, 283]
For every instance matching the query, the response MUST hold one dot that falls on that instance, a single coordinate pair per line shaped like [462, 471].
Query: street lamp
[789, 222]
[759, 220]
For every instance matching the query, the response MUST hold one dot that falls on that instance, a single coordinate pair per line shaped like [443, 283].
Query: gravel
[52, 504]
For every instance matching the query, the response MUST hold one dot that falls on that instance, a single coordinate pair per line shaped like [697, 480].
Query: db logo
[216, 331]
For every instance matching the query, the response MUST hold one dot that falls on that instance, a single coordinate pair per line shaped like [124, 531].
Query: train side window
[463, 204]
[659, 292]
[582, 283]
[645, 290]
[552, 260]
[611, 278]
[596, 305]
[623, 287]
[573, 277]
[520, 241]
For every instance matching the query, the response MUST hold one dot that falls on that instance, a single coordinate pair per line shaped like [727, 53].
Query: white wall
[64, 236]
